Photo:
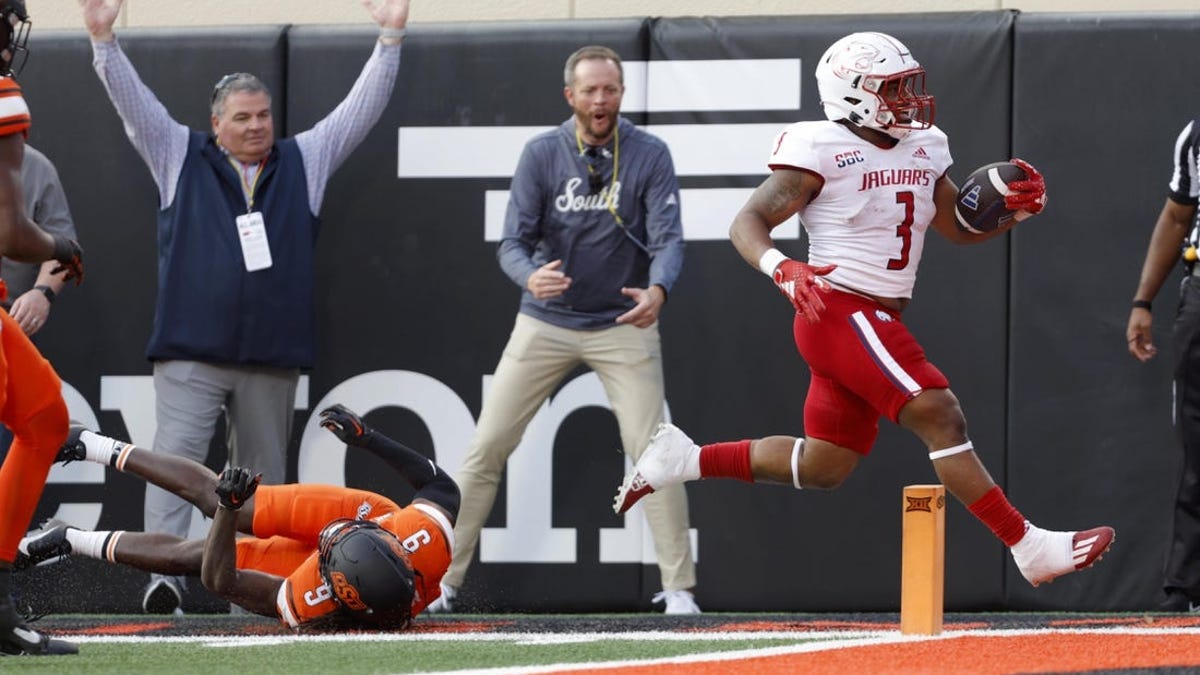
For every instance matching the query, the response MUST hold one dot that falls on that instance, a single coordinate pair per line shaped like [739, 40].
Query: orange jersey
[288, 520]
[14, 113]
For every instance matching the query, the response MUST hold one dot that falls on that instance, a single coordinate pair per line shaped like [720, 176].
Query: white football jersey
[875, 206]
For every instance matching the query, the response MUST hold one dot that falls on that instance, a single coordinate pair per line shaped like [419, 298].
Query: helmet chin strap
[873, 135]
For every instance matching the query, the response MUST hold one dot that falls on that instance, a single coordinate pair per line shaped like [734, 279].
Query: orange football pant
[32, 407]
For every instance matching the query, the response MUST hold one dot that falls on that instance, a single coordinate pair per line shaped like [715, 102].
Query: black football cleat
[17, 639]
[45, 546]
[73, 449]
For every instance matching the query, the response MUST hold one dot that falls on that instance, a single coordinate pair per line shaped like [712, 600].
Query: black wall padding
[1091, 439]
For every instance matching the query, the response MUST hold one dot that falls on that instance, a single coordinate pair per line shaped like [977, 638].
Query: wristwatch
[46, 291]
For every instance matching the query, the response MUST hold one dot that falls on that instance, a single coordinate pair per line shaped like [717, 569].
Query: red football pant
[864, 364]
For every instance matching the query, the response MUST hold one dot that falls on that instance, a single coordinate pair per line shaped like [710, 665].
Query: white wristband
[770, 260]
[392, 33]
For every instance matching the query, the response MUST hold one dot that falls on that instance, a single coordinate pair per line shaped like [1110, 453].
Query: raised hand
[1028, 195]
[99, 17]
[802, 284]
[344, 423]
[388, 13]
[235, 486]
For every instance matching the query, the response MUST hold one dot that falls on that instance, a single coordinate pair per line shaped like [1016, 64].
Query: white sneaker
[445, 602]
[678, 602]
[1044, 555]
[671, 458]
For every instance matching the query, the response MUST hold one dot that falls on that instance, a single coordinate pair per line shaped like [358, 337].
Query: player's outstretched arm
[433, 485]
[254, 591]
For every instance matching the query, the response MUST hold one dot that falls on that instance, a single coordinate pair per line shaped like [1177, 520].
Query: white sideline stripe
[817, 645]
[707, 214]
[492, 152]
[819, 640]
[542, 638]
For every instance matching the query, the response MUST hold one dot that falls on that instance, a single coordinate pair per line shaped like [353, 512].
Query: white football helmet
[872, 80]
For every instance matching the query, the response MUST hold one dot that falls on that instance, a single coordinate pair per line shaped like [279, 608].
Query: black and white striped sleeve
[1185, 177]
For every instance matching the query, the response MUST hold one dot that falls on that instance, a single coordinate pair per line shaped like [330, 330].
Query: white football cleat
[678, 602]
[1044, 555]
[665, 462]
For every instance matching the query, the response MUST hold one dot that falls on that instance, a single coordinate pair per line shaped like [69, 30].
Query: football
[980, 204]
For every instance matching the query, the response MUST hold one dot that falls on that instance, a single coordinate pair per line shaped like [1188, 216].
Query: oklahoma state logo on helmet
[346, 592]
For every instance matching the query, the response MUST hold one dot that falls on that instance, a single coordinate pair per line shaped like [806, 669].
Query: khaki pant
[628, 361]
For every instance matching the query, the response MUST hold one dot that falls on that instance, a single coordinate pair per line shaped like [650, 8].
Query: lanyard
[248, 187]
[608, 201]
[612, 189]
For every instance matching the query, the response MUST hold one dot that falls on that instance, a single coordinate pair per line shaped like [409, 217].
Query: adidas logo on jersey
[921, 154]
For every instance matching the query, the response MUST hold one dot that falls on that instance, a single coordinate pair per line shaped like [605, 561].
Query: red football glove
[800, 283]
[1028, 195]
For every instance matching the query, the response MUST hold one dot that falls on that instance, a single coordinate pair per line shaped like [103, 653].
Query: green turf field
[248, 645]
[222, 655]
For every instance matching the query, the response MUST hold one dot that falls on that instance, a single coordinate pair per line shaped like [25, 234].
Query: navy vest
[209, 307]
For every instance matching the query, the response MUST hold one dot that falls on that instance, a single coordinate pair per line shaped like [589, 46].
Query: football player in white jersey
[868, 183]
